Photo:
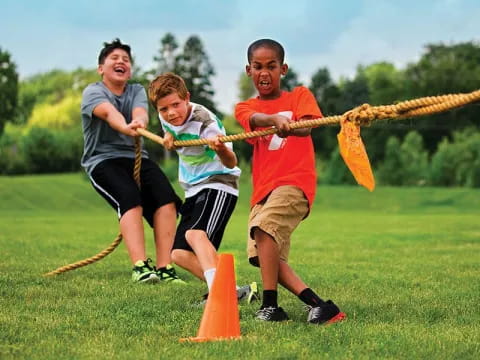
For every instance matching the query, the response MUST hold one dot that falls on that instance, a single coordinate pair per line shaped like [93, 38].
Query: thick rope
[362, 115]
[118, 239]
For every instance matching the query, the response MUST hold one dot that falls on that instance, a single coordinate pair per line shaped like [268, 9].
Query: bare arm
[227, 156]
[168, 141]
[116, 120]
[282, 123]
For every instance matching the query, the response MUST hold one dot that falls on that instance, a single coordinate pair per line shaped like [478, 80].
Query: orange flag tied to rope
[354, 154]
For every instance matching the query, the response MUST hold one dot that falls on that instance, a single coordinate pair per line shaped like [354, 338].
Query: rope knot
[361, 115]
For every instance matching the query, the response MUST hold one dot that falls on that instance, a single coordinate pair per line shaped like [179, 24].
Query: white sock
[209, 276]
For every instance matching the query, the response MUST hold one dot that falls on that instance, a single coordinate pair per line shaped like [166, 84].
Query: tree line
[40, 116]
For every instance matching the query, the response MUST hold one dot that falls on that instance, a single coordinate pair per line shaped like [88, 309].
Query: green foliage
[46, 151]
[414, 160]
[336, 172]
[62, 115]
[457, 163]
[8, 89]
[11, 154]
[390, 171]
[385, 83]
[405, 164]
[51, 88]
[290, 80]
[194, 66]
[445, 69]
[170, 168]
[246, 89]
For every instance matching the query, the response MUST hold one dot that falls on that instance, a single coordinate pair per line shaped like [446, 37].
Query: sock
[209, 276]
[269, 298]
[309, 297]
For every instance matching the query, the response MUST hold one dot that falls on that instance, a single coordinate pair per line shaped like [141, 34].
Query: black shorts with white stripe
[209, 210]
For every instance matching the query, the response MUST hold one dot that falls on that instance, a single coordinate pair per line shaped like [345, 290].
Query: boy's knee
[177, 256]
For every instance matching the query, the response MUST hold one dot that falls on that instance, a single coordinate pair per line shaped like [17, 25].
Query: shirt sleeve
[213, 129]
[93, 96]
[140, 98]
[305, 103]
[243, 113]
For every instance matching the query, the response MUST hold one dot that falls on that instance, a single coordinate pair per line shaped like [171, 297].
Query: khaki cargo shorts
[277, 215]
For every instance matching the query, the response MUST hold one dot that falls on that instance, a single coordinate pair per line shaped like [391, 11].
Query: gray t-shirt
[101, 142]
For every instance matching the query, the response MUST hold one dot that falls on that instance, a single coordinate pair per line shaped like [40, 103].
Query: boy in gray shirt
[112, 110]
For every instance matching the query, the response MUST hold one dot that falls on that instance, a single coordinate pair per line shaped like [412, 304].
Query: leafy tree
[195, 68]
[327, 95]
[385, 83]
[8, 89]
[166, 60]
[51, 87]
[63, 115]
[336, 172]
[290, 80]
[246, 89]
[390, 170]
[457, 162]
[414, 160]
[445, 69]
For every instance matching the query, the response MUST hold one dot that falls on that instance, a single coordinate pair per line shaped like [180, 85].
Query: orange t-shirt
[277, 161]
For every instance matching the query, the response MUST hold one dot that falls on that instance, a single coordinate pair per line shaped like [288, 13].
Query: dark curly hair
[109, 47]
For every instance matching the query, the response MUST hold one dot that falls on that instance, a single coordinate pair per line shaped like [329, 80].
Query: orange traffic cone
[220, 320]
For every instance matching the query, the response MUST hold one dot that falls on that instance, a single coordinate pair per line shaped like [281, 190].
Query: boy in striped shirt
[208, 175]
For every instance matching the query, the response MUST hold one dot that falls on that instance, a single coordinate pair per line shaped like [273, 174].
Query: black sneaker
[169, 275]
[327, 313]
[272, 314]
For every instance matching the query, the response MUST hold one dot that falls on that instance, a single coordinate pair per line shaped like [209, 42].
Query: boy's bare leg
[131, 226]
[164, 223]
[269, 258]
[203, 248]
[188, 260]
[289, 279]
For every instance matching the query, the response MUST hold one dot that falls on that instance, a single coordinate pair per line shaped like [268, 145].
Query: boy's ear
[187, 98]
[284, 69]
[248, 70]
[100, 70]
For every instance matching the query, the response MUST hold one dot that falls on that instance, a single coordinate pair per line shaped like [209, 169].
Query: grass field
[404, 264]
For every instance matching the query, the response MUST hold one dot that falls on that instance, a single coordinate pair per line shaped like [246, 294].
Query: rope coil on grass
[118, 239]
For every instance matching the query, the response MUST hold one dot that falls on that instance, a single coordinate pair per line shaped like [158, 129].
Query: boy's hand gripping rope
[359, 116]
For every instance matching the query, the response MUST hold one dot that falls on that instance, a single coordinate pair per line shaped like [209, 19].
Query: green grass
[402, 263]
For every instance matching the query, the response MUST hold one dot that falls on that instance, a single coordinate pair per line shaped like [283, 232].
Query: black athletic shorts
[209, 210]
[113, 179]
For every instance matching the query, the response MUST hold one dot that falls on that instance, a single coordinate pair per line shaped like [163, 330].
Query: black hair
[268, 43]
[109, 47]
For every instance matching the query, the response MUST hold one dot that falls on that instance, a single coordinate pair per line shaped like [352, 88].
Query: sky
[339, 35]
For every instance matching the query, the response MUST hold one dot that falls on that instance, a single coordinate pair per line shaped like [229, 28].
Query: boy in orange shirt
[284, 180]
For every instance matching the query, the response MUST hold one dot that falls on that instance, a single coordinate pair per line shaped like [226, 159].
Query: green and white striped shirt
[199, 166]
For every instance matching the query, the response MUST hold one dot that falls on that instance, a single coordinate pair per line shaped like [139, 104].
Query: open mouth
[119, 70]
[264, 83]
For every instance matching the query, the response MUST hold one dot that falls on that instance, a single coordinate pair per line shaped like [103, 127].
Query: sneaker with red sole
[327, 313]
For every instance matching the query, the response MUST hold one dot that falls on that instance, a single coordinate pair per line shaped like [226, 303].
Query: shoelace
[172, 275]
[146, 266]
[266, 312]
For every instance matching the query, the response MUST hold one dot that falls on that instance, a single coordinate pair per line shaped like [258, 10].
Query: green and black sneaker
[144, 273]
[169, 275]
